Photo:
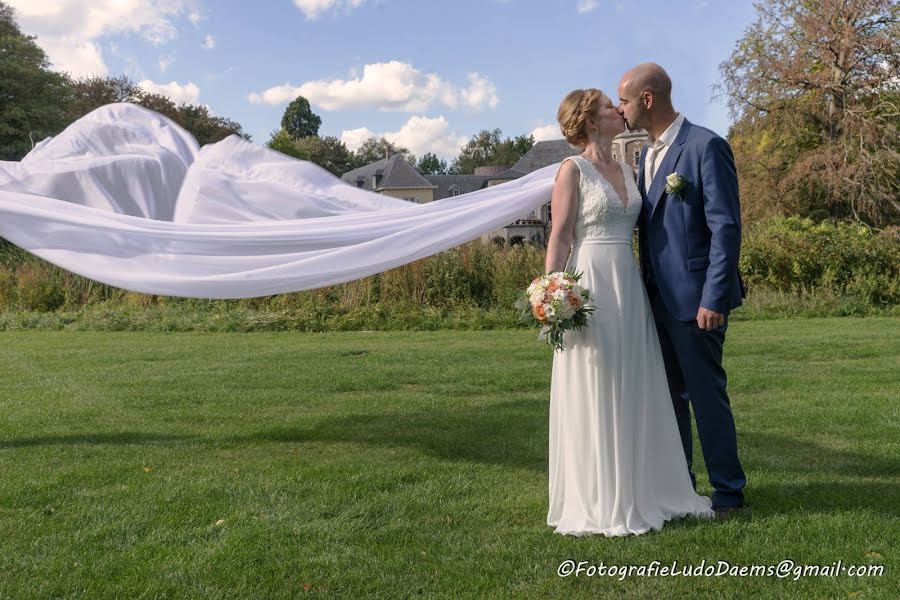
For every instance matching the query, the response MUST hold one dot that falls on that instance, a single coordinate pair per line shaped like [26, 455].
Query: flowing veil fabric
[126, 197]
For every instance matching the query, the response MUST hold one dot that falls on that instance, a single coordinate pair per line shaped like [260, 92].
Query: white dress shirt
[657, 150]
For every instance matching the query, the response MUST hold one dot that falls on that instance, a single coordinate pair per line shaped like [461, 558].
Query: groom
[690, 237]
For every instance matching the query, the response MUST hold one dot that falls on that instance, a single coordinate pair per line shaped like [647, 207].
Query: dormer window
[360, 181]
[454, 190]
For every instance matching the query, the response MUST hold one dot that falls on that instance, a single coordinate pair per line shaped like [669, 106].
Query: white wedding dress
[617, 466]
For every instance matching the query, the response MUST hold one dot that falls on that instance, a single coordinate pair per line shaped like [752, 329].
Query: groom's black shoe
[723, 513]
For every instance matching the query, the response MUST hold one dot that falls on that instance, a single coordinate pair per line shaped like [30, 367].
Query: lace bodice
[601, 213]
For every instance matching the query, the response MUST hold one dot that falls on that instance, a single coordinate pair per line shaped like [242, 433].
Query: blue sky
[428, 75]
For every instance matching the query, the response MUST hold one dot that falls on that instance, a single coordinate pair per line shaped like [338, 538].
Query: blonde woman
[616, 461]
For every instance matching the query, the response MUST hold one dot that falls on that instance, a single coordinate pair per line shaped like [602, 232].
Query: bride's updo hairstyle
[574, 111]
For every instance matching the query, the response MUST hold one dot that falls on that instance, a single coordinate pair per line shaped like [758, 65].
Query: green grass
[402, 464]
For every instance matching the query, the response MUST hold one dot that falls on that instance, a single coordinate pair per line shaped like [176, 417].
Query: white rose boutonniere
[675, 183]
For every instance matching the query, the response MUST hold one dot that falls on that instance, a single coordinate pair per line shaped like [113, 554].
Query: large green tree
[299, 120]
[33, 98]
[430, 164]
[814, 86]
[329, 152]
[89, 93]
[203, 125]
[486, 148]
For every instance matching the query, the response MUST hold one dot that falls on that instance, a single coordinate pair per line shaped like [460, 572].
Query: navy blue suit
[689, 249]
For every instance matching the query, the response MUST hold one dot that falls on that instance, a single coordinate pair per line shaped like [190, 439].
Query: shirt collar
[668, 136]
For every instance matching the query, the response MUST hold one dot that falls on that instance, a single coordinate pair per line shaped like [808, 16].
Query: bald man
[690, 239]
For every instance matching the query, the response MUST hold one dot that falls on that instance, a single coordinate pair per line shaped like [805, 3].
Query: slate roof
[395, 173]
[544, 153]
[466, 183]
[508, 174]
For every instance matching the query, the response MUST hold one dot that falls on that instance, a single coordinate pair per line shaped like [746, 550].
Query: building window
[454, 190]
[637, 158]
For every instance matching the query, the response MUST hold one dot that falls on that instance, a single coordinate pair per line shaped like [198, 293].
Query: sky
[428, 75]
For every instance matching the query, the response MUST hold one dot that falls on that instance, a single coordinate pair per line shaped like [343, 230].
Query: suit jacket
[690, 242]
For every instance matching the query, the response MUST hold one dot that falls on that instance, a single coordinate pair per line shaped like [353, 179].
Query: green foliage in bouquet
[552, 331]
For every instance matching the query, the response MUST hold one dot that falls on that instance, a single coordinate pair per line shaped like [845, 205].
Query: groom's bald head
[649, 77]
[645, 97]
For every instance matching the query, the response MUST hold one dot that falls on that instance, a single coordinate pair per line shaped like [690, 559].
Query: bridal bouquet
[554, 302]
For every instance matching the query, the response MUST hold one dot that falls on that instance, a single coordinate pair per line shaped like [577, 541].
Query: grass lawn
[402, 464]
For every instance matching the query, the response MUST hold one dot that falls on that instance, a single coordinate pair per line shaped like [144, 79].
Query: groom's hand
[709, 319]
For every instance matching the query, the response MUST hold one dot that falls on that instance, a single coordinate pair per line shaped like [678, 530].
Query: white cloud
[389, 86]
[166, 61]
[189, 92]
[419, 134]
[481, 92]
[313, 9]
[195, 17]
[546, 132]
[585, 6]
[69, 30]
[209, 42]
[354, 138]
[78, 58]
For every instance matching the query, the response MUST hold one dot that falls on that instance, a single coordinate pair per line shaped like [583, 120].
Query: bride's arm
[563, 207]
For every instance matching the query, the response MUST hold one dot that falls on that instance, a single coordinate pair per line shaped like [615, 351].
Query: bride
[617, 466]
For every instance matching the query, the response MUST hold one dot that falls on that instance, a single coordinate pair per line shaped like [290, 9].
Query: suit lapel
[658, 185]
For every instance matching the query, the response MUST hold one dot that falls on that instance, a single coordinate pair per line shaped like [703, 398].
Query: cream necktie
[652, 152]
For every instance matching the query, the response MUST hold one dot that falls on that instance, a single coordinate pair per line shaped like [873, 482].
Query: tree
[376, 148]
[32, 98]
[207, 128]
[486, 149]
[511, 150]
[329, 152]
[431, 165]
[299, 120]
[282, 141]
[90, 93]
[813, 85]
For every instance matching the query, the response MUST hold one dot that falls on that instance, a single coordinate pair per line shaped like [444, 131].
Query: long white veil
[126, 197]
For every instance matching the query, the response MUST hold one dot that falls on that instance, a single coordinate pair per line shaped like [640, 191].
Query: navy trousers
[693, 359]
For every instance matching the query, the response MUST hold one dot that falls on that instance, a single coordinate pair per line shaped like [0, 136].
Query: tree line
[813, 87]
[36, 102]
[299, 137]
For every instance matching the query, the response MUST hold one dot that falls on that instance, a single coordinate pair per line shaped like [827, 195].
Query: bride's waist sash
[604, 240]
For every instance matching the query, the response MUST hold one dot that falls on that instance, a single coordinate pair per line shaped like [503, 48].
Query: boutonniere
[675, 183]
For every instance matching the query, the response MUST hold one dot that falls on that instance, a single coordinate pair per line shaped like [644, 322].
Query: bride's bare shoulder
[569, 170]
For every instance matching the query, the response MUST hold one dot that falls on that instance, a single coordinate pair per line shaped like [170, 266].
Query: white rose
[672, 179]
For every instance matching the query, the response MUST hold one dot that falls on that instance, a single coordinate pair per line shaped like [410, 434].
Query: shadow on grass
[122, 437]
[501, 433]
[511, 434]
[816, 478]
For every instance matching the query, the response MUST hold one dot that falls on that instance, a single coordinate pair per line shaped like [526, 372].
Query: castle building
[395, 177]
